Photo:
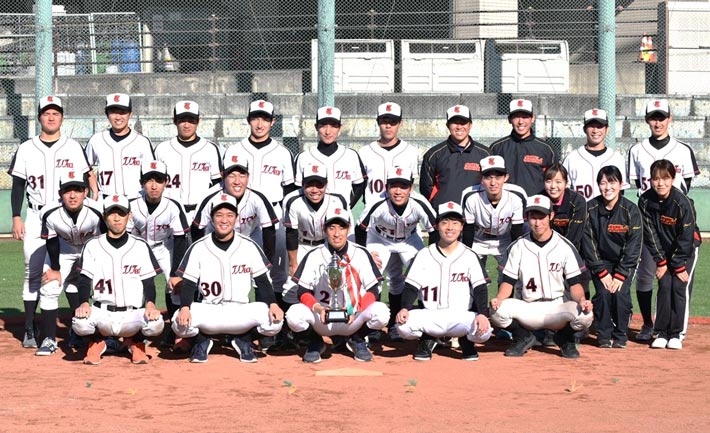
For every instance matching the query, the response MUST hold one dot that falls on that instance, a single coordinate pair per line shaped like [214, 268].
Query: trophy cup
[337, 312]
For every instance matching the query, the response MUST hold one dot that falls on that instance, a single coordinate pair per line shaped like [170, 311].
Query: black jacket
[570, 217]
[526, 160]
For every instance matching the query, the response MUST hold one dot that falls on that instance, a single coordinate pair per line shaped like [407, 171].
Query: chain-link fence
[425, 55]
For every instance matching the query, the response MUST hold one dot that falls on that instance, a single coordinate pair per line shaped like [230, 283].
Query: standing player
[388, 151]
[451, 284]
[162, 223]
[583, 164]
[359, 294]
[118, 152]
[117, 272]
[66, 228]
[347, 173]
[452, 165]
[527, 156]
[660, 145]
[545, 263]
[612, 247]
[36, 168]
[389, 228]
[669, 235]
[194, 163]
[222, 266]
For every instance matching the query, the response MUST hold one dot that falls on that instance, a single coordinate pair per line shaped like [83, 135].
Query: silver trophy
[336, 313]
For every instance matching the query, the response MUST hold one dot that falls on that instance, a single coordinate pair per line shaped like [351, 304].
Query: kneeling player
[452, 285]
[543, 261]
[121, 269]
[358, 287]
[222, 266]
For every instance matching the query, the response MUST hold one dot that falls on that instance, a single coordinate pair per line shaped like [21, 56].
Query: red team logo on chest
[532, 159]
[240, 269]
[617, 228]
[458, 277]
[200, 166]
[131, 160]
[63, 163]
[342, 175]
[271, 169]
[472, 166]
[131, 270]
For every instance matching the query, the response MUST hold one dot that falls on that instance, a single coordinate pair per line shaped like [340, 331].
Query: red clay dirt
[606, 390]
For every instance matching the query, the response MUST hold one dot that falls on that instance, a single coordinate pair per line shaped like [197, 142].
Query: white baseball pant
[442, 323]
[35, 251]
[290, 288]
[394, 255]
[552, 315]
[49, 293]
[299, 318]
[227, 318]
[117, 323]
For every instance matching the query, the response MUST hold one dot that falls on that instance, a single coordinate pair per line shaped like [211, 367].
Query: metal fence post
[326, 52]
[44, 51]
[607, 65]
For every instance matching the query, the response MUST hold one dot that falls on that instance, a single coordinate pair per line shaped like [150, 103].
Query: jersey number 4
[531, 285]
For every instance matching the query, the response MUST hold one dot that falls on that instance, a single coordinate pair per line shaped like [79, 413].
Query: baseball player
[669, 235]
[162, 223]
[389, 228]
[117, 272]
[358, 292]
[272, 174]
[612, 247]
[36, 168]
[194, 163]
[451, 284]
[388, 151]
[222, 266]
[660, 145]
[527, 156]
[452, 165]
[118, 152]
[65, 227]
[347, 173]
[583, 164]
[545, 262]
[493, 214]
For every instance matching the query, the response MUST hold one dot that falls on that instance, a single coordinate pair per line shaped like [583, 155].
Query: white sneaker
[659, 343]
[48, 347]
[675, 343]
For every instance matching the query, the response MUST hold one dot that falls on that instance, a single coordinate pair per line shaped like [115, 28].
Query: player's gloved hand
[402, 316]
[173, 283]
[83, 311]
[18, 228]
[377, 259]
[152, 313]
[482, 324]
[51, 275]
[276, 314]
[184, 316]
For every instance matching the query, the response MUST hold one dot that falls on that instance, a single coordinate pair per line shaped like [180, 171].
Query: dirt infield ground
[611, 390]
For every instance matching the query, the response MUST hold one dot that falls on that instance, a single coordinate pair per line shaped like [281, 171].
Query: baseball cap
[50, 101]
[399, 174]
[313, 172]
[539, 203]
[233, 162]
[449, 209]
[493, 163]
[119, 100]
[337, 214]
[153, 168]
[660, 106]
[521, 106]
[186, 109]
[458, 111]
[223, 201]
[70, 179]
[389, 110]
[116, 201]
[596, 115]
[328, 113]
[261, 107]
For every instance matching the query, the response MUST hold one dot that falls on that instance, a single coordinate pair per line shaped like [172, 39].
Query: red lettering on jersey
[669, 221]
[617, 228]
[555, 267]
[162, 227]
[63, 163]
[131, 160]
[459, 277]
[472, 166]
[560, 222]
[344, 175]
[534, 159]
[131, 270]
[241, 269]
[200, 166]
[116, 98]
[271, 169]
[247, 220]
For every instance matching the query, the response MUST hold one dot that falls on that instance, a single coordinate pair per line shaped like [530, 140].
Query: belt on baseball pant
[547, 299]
[37, 207]
[312, 243]
[489, 236]
[112, 308]
[392, 238]
[156, 244]
[190, 207]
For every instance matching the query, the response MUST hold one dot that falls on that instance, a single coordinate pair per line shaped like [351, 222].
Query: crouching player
[452, 285]
[119, 269]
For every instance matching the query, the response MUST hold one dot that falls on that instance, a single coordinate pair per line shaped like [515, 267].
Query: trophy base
[336, 316]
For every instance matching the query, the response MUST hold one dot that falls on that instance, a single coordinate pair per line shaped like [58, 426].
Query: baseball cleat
[48, 347]
[468, 349]
[94, 352]
[29, 341]
[201, 350]
[568, 349]
[646, 333]
[74, 341]
[659, 343]
[425, 349]
[604, 344]
[675, 344]
[244, 349]
[314, 350]
[138, 355]
[393, 334]
[619, 344]
[359, 350]
[521, 345]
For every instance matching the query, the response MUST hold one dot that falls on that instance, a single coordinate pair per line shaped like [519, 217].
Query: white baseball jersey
[270, 167]
[378, 160]
[56, 222]
[191, 170]
[388, 225]
[542, 270]
[343, 167]
[446, 282]
[493, 223]
[642, 155]
[223, 276]
[166, 221]
[118, 163]
[254, 211]
[42, 166]
[117, 274]
[583, 168]
[299, 215]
